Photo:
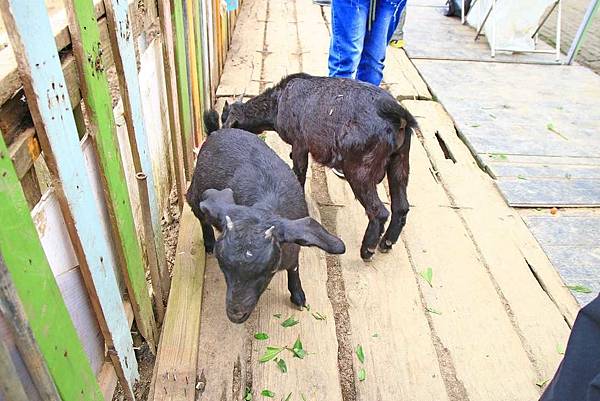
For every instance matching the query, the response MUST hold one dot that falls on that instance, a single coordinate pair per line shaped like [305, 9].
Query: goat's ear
[215, 205]
[308, 232]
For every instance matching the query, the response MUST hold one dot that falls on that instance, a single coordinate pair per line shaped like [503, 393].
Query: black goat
[345, 124]
[241, 187]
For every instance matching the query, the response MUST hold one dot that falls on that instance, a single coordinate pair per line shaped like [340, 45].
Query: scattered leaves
[475, 125]
[247, 395]
[290, 321]
[281, 365]
[550, 127]
[375, 335]
[360, 353]
[277, 315]
[261, 336]
[362, 374]
[542, 383]
[288, 397]
[560, 349]
[303, 397]
[263, 137]
[270, 353]
[579, 288]
[319, 316]
[307, 307]
[267, 393]
[298, 350]
[431, 310]
[521, 177]
[427, 275]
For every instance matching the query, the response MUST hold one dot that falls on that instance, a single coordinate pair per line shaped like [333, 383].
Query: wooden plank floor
[488, 327]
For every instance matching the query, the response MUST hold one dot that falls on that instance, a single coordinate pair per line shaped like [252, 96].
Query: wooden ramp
[488, 327]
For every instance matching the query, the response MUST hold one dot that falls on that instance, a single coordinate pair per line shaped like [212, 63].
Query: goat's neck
[263, 109]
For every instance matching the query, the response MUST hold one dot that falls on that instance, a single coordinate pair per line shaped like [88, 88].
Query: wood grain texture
[121, 39]
[175, 369]
[193, 71]
[490, 223]
[10, 383]
[94, 85]
[45, 88]
[168, 53]
[183, 92]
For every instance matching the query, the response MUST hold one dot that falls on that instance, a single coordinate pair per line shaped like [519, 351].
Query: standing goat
[247, 192]
[344, 124]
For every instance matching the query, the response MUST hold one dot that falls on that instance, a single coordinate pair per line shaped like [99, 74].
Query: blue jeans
[397, 26]
[355, 51]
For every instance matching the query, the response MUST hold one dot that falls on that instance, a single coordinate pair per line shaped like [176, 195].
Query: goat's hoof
[385, 246]
[367, 254]
[299, 300]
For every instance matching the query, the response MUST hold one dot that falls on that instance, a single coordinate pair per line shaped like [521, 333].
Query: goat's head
[249, 249]
[233, 114]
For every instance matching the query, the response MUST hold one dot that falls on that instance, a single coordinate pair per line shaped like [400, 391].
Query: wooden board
[402, 78]
[125, 61]
[175, 367]
[519, 119]
[490, 224]
[52, 326]
[101, 124]
[571, 242]
[47, 95]
[474, 324]
[387, 314]
[243, 67]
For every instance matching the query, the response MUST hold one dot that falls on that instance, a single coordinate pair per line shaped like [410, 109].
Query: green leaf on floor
[560, 349]
[247, 395]
[579, 288]
[298, 349]
[375, 335]
[270, 353]
[303, 397]
[521, 177]
[307, 307]
[281, 365]
[475, 125]
[431, 310]
[362, 374]
[319, 316]
[542, 383]
[498, 156]
[267, 393]
[427, 276]
[261, 336]
[288, 397]
[550, 127]
[290, 321]
[277, 315]
[360, 353]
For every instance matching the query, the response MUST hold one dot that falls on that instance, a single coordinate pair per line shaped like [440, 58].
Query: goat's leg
[300, 160]
[376, 212]
[297, 295]
[207, 231]
[397, 174]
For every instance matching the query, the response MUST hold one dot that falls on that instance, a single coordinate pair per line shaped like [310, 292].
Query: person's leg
[348, 27]
[370, 68]
[578, 377]
[397, 37]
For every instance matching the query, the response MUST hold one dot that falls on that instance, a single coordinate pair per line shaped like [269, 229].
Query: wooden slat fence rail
[101, 108]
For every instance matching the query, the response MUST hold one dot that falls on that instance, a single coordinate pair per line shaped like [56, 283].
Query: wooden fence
[100, 109]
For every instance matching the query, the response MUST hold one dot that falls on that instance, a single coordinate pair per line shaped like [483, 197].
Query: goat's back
[341, 110]
[236, 159]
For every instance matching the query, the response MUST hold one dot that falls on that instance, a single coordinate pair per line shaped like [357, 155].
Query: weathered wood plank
[124, 55]
[52, 327]
[45, 88]
[175, 371]
[564, 192]
[193, 71]
[168, 52]
[386, 313]
[436, 238]
[10, 384]
[101, 125]
[402, 77]
[490, 225]
[243, 67]
[183, 92]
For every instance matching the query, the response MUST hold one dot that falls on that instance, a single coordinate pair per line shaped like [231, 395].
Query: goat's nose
[237, 315]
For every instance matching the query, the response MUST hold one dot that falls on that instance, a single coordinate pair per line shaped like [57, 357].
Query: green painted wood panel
[48, 316]
[185, 112]
[85, 36]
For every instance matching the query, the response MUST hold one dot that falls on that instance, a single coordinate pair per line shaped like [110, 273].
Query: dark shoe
[322, 2]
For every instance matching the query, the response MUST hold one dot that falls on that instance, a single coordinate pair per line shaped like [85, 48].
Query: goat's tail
[211, 121]
[389, 109]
